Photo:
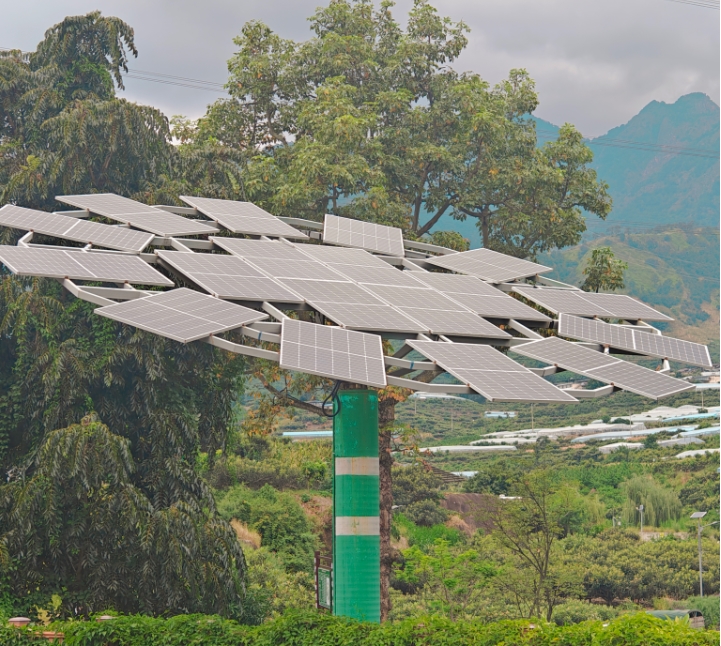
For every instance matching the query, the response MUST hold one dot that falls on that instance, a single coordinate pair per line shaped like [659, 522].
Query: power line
[639, 145]
[175, 83]
[212, 86]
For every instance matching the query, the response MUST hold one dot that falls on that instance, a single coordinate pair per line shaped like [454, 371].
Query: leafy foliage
[62, 129]
[369, 120]
[294, 629]
[280, 520]
[449, 580]
[603, 271]
[111, 511]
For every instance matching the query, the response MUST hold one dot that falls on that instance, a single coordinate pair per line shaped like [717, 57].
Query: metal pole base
[356, 527]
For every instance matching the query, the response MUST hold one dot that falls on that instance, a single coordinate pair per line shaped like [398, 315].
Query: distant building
[610, 448]
[465, 448]
[693, 454]
[680, 441]
[500, 414]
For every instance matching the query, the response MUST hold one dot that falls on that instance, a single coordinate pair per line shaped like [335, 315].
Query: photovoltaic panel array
[228, 277]
[81, 265]
[436, 312]
[567, 301]
[138, 215]
[181, 314]
[640, 341]
[259, 249]
[332, 352]
[68, 228]
[488, 265]
[364, 235]
[490, 373]
[603, 367]
[480, 297]
[321, 287]
[243, 217]
[343, 256]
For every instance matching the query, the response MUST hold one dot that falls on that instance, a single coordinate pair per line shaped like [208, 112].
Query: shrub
[424, 537]
[415, 484]
[278, 518]
[315, 629]
[576, 611]
[426, 513]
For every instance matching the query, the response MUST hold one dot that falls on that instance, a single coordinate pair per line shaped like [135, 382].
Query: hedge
[314, 629]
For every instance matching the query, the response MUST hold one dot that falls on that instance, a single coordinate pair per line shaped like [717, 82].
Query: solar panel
[454, 283]
[242, 217]
[436, 312]
[454, 323]
[568, 301]
[228, 277]
[640, 341]
[381, 318]
[309, 269]
[365, 235]
[259, 248]
[625, 307]
[343, 256]
[670, 348]
[332, 352]
[603, 367]
[374, 275]
[80, 265]
[414, 297]
[181, 314]
[490, 373]
[326, 291]
[479, 297]
[136, 214]
[489, 265]
[68, 228]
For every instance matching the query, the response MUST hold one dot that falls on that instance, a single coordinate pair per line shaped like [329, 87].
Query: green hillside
[649, 187]
[674, 268]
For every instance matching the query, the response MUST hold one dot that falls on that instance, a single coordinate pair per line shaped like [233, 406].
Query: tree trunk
[484, 229]
[386, 417]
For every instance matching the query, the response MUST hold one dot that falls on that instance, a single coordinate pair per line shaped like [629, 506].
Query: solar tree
[326, 295]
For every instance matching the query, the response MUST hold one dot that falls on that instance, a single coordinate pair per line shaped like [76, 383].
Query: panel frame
[157, 303]
[503, 368]
[65, 226]
[134, 217]
[632, 340]
[343, 338]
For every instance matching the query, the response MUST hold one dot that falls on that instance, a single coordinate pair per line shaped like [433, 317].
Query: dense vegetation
[319, 630]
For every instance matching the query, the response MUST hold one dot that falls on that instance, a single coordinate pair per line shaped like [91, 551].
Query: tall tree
[369, 120]
[603, 271]
[131, 477]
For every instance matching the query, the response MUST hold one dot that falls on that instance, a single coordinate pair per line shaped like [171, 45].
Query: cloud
[596, 64]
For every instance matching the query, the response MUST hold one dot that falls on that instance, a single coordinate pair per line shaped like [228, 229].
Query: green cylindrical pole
[356, 535]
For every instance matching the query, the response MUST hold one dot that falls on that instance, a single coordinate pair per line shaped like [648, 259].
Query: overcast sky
[596, 63]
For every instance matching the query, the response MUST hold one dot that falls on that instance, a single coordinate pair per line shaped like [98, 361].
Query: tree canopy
[370, 121]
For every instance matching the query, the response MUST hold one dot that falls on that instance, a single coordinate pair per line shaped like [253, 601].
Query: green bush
[426, 513]
[314, 629]
[424, 537]
[415, 483]
[278, 518]
[576, 611]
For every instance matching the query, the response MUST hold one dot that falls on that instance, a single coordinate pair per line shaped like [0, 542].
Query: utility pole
[533, 424]
[640, 508]
[698, 515]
